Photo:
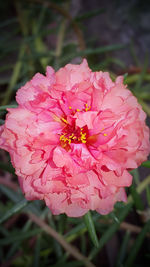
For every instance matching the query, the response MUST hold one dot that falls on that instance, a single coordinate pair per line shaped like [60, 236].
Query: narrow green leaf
[146, 164]
[148, 195]
[14, 247]
[123, 249]
[19, 236]
[83, 244]
[4, 80]
[79, 229]
[136, 197]
[7, 167]
[2, 122]
[18, 207]
[7, 106]
[36, 260]
[90, 14]
[137, 245]
[69, 264]
[91, 228]
[136, 176]
[111, 230]
[134, 77]
[62, 223]
[4, 231]
[17, 197]
[7, 22]
[6, 67]
[142, 74]
[141, 187]
[15, 75]
[56, 245]
[14, 196]
[133, 54]
[125, 77]
[93, 51]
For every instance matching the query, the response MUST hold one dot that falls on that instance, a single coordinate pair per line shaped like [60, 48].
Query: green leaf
[136, 197]
[136, 176]
[15, 75]
[125, 77]
[4, 231]
[91, 228]
[1, 254]
[111, 230]
[93, 51]
[69, 264]
[8, 22]
[14, 247]
[146, 164]
[17, 197]
[90, 14]
[148, 195]
[134, 77]
[19, 236]
[56, 245]
[137, 245]
[14, 196]
[7, 167]
[7, 106]
[138, 85]
[79, 229]
[62, 223]
[133, 54]
[18, 207]
[2, 122]
[123, 250]
[36, 260]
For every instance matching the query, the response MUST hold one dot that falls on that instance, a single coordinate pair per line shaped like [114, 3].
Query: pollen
[64, 120]
[78, 136]
[87, 108]
[83, 137]
[70, 107]
[105, 134]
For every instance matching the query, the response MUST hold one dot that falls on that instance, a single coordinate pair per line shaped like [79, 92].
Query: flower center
[72, 134]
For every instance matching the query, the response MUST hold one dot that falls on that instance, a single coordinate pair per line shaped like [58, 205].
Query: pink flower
[73, 137]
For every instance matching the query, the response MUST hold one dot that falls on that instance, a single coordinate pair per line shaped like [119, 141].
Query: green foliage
[32, 37]
[18, 207]
[90, 227]
[137, 245]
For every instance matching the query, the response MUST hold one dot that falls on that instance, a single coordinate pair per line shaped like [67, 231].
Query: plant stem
[69, 248]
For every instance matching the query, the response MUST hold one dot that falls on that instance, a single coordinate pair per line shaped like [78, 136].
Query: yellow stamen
[71, 135]
[78, 109]
[105, 134]
[87, 108]
[82, 138]
[61, 137]
[64, 120]
[69, 141]
[70, 107]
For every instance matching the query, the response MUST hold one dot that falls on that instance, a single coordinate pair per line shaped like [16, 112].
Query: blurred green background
[114, 36]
